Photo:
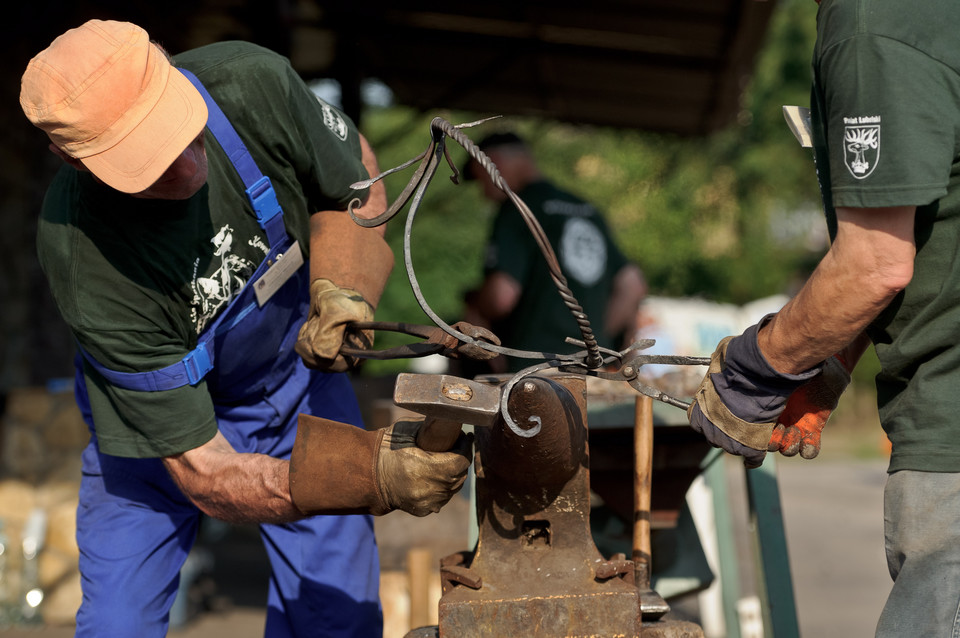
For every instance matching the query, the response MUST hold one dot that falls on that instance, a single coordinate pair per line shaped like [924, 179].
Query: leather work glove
[415, 480]
[801, 423]
[350, 265]
[741, 396]
[320, 338]
[337, 468]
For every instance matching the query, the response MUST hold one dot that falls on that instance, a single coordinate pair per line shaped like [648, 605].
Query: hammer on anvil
[447, 402]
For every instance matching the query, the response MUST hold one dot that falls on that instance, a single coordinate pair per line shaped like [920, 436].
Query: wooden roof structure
[677, 66]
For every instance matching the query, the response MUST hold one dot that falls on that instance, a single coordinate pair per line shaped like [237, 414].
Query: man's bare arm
[628, 290]
[498, 296]
[234, 487]
[868, 264]
[374, 204]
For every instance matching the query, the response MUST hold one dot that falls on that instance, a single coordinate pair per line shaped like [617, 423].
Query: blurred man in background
[518, 299]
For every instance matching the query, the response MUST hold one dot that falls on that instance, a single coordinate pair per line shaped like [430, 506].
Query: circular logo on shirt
[333, 120]
[583, 251]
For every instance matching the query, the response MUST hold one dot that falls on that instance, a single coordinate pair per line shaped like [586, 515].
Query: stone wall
[41, 437]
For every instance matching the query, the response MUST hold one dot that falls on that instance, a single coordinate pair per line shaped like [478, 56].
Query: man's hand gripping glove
[337, 468]
[354, 262]
[801, 423]
[741, 396]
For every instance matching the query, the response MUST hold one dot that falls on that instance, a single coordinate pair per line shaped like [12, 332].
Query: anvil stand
[536, 571]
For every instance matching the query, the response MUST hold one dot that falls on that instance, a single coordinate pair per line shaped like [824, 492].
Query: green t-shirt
[138, 280]
[588, 258]
[886, 113]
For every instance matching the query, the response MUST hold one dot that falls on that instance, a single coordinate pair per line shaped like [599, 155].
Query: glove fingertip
[776, 438]
[790, 450]
[752, 458]
[809, 452]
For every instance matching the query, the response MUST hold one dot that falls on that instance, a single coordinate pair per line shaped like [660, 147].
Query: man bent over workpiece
[174, 241]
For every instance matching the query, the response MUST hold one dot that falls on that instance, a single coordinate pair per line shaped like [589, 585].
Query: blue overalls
[135, 527]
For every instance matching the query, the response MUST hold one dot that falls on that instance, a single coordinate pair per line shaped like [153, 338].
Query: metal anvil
[536, 570]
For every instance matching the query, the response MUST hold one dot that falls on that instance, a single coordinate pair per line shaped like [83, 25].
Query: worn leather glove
[741, 396]
[350, 264]
[337, 468]
[801, 423]
[415, 480]
[320, 338]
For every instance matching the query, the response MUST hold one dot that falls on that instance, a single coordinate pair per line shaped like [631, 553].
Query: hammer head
[443, 396]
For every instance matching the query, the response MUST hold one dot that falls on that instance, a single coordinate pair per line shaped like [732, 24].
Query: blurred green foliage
[731, 217]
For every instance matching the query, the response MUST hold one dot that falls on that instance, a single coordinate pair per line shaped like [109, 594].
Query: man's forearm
[234, 487]
[498, 296]
[629, 289]
[870, 262]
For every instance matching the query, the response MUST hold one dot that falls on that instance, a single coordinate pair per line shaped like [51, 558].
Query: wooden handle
[642, 481]
[438, 435]
[420, 572]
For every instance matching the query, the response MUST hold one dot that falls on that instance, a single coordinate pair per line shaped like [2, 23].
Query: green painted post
[715, 477]
[774, 581]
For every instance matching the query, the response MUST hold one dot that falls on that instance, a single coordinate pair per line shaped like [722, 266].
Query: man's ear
[72, 161]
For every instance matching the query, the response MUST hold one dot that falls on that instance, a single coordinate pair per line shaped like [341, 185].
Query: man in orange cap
[198, 245]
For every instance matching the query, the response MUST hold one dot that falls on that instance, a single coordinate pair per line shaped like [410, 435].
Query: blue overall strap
[259, 188]
[188, 371]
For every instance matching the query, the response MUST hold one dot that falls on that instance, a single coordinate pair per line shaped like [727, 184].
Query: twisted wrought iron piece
[585, 362]
[439, 149]
[413, 194]
[404, 197]
[593, 357]
[400, 201]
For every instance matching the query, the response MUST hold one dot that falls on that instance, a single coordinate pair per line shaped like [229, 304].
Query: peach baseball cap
[109, 97]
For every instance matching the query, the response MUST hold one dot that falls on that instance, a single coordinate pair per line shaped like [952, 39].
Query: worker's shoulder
[929, 27]
[230, 54]
[245, 79]
[63, 188]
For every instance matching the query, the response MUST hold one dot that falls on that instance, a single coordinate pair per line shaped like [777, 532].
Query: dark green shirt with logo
[138, 280]
[886, 116]
[589, 260]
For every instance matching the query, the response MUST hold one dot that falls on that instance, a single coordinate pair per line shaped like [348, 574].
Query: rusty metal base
[541, 614]
[659, 629]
